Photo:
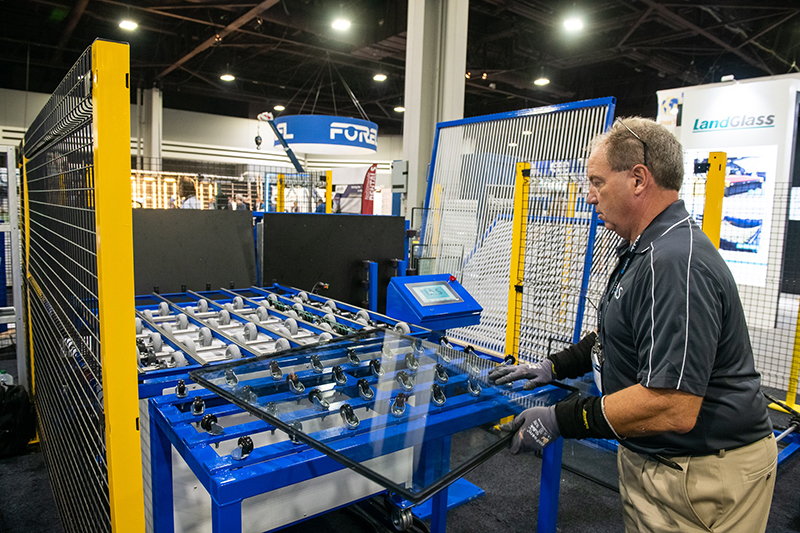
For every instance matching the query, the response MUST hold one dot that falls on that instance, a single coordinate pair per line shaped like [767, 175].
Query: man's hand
[534, 429]
[538, 374]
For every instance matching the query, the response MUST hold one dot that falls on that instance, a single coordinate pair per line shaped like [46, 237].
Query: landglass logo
[734, 122]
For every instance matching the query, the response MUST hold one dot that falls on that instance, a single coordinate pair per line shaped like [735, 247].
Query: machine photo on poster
[746, 206]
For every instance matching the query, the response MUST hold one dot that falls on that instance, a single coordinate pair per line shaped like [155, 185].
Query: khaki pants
[726, 493]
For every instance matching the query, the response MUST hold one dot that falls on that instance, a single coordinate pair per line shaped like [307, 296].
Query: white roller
[262, 314]
[163, 309]
[224, 317]
[205, 336]
[155, 340]
[291, 325]
[282, 344]
[202, 305]
[233, 352]
[250, 331]
[139, 326]
[182, 322]
[238, 302]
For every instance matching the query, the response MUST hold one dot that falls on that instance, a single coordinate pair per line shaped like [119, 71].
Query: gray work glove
[533, 429]
[538, 374]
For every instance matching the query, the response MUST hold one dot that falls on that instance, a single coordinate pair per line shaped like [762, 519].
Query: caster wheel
[205, 336]
[182, 322]
[330, 304]
[363, 315]
[202, 306]
[262, 314]
[401, 519]
[139, 326]
[361, 321]
[163, 309]
[297, 307]
[167, 328]
[239, 336]
[303, 295]
[282, 345]
[155, 340]
[325, 336]
[148, 314]
[190, 345]
[250, 331]
[292, 313]
[233, 352]
[330, 317]
[224, 317]
[402, 327]
[229, 307]
[291, 325]
[213, 322]
[238, 303]
[265, 304]
[272, 298]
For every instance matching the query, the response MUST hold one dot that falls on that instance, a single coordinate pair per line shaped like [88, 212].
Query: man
[671, 356]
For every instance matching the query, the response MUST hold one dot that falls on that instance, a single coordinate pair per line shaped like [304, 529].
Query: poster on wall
[746, 206]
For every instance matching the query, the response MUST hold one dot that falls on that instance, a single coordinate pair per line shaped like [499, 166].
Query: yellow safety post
[715, 192]
[114, 234]
[26, 217]
[328, 191]
[280, 200]
[794, 370]
[519, 230]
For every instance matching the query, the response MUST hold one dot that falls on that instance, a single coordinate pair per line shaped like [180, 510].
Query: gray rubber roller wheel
[402, 327]
[163, 309]
[291, 325]
[180, 359]
[362, 321]
[239, 336]
[330, 304]
[167, 328]
[229, 307]
[224, 317]
[250, 331]
[155, 340]
[297, 307]
[182, 322]
[292, 313]
[402, 519]
[262, 314]
[272, 298]
[190, 345]
[282, 345]
[325, 326]
[148, 314]
[238, 303]
[330, 317]
[233, 352]
[265, 304]
[303, 295]
[139, 326]
[325, 336]
[202, 305]
[205, 336]
[213, 322]
[362, 314]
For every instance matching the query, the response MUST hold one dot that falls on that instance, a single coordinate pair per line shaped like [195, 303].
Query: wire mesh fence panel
[758, 248]
[169, 183]
[467, 225]
[63, 301]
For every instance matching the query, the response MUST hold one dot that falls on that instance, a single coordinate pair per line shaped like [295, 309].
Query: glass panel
[379, 393]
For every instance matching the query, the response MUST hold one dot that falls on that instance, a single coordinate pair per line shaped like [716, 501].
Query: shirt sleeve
[679, 319]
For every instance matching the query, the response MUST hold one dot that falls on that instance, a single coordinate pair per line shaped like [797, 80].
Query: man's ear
[642, 179]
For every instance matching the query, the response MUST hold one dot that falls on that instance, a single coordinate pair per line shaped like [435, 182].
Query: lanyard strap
[628, 255]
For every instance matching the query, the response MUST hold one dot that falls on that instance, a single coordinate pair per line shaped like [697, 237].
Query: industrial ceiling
[285, 52]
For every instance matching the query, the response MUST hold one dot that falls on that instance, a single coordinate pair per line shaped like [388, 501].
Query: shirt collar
[673, 214]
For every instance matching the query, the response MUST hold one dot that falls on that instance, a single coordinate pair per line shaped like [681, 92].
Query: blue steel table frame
[228, 482]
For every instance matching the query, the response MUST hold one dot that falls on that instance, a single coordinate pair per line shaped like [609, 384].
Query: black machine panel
[302, 249]
[176, 247]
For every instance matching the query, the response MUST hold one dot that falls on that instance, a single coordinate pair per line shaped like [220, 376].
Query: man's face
[610, 192]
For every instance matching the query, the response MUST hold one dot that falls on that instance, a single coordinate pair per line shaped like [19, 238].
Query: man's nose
[591, 198]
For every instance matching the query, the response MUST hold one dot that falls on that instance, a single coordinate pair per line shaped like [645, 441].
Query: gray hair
[624, 151]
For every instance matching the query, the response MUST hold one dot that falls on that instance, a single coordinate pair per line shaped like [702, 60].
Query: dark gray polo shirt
[675, 321]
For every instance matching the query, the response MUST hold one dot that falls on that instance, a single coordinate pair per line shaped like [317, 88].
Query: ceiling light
[400, 109]
[468, 75]
[483, 77]
[729, 77]
[227, 77]
[279, 107]
[340, 24]
[541, 80]
[128, 25]
[573, 24]
[379, 77]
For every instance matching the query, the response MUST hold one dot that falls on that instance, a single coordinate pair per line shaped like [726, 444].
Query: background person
[671, 356]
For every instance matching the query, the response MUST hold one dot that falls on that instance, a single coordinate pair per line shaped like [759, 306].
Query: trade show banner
[354, 189]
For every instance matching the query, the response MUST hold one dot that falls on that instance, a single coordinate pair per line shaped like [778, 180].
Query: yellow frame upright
[519, 234]
[115, 286]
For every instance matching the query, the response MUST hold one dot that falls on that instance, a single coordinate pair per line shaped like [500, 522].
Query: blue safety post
[549, 487]
[397, 204]
[373, 286]
[587, 271]
[405, 245]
